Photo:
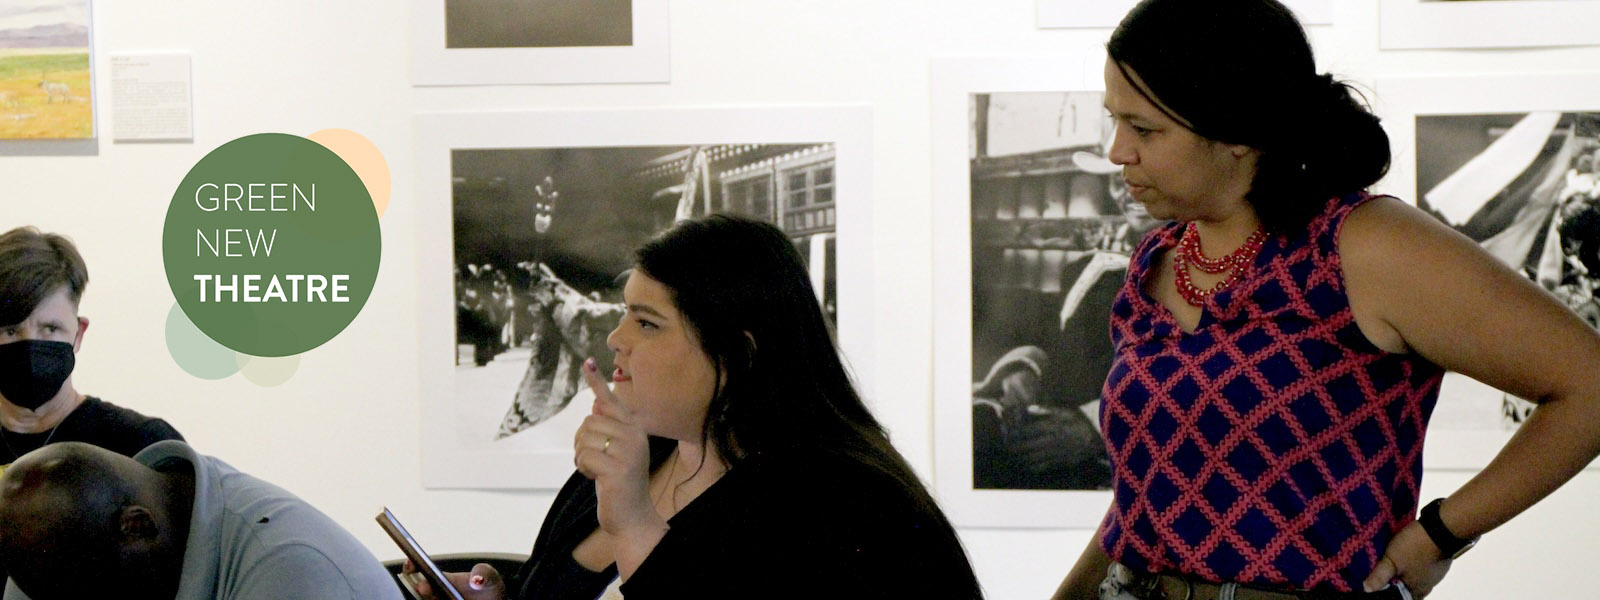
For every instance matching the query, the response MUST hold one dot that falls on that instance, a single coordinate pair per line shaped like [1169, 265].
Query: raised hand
[613, 451]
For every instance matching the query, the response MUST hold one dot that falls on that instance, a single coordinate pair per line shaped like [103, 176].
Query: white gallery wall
[344, 431]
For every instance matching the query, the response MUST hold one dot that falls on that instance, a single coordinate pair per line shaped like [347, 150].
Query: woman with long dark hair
[1280, 343]
[734, 457]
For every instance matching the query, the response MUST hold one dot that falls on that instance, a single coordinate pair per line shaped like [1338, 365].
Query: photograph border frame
[954, 80]
[1414, 24]
[1399, 101]
[647, 60]
[848, 127]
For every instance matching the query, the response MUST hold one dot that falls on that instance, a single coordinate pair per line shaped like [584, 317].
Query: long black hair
[742, 287]
[1242, 72]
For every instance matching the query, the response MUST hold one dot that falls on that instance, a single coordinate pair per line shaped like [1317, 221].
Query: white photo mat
[646, 60]
[1399, 101]
[953, 83]
[1107, 13]
[544, 461]
[1404, 24]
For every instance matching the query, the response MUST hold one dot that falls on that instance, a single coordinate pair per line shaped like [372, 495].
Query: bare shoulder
[1385, 246]
[1384, 226]
[1416, 285]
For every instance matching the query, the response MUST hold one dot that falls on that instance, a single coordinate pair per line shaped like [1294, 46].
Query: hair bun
[1346, 147]
[1326, 88]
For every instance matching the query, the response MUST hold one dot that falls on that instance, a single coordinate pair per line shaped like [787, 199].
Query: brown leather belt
[1172, 587]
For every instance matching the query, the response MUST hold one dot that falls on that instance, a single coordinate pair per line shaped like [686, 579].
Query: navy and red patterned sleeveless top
[1273, 446]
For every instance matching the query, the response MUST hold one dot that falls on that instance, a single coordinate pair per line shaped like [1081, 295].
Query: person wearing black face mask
[42, 278]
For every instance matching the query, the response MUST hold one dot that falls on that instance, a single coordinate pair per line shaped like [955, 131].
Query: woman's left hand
[615, 453]
[1412, 558]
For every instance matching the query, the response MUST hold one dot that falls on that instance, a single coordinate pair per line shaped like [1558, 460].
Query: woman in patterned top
[1279, 345]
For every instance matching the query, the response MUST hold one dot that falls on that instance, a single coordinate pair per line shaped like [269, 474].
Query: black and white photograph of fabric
[1525, 187]
[538, 23]
[543, 239]
[1052, 228]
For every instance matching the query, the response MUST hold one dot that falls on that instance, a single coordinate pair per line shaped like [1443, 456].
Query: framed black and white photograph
[486, 42]
[1404, 24]
[1508, 162]
[1107, 13]
[531, 221]
[1033, 229]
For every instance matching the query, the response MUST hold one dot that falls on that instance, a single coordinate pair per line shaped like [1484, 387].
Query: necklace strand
[14, 455]
[1234, 264]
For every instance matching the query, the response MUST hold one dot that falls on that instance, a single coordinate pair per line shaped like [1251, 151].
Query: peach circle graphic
[363, 157]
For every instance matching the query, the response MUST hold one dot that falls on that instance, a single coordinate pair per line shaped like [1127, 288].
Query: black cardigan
[820, 527]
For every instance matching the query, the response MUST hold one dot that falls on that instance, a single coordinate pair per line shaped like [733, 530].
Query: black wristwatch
[1449, 545]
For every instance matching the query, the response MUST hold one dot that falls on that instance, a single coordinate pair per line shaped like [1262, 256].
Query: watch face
[1470, 543]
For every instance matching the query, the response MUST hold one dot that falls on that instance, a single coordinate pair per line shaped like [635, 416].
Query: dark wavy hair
[742, 287]
[34, 265]
[1241, 72]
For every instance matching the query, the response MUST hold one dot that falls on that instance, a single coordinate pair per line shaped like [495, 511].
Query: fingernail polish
[476, 582]
[590, 364]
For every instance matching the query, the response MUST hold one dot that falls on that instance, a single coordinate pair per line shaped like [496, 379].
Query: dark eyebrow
[646, 309]
[1124, 115]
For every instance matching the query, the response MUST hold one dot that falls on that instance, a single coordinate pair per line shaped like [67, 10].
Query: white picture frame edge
[1414, 24]
[1399, 101]
[849, 128]
[647, 60]
[1088, 14]
[953, 81]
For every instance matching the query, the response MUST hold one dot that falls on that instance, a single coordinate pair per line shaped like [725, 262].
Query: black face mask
[32, 371]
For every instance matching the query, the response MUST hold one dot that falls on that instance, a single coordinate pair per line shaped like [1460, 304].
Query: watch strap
[1450, 545]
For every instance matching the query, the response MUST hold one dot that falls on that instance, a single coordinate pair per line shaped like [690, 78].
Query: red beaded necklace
[1234, 264]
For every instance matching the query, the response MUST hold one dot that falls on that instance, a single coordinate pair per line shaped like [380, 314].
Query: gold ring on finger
[606, 446]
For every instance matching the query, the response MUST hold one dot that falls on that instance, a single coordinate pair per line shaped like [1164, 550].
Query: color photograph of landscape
[44, 70]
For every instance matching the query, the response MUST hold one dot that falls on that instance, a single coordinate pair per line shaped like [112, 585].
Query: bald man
[78, 521]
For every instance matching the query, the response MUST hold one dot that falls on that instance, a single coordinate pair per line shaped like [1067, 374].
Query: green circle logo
[271, 245]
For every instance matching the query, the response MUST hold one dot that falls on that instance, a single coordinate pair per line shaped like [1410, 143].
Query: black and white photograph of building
[537, 23]
[543, 238]
[1524, 186]
[1052, 225]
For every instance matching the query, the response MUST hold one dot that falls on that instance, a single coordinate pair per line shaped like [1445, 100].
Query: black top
[770, 527]
[94, 422]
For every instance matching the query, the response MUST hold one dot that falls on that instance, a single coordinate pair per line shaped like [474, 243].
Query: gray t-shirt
[251, 540]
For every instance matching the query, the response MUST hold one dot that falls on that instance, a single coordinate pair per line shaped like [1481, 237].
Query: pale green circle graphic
[195, 353]
[268, 371]
[284, 237]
